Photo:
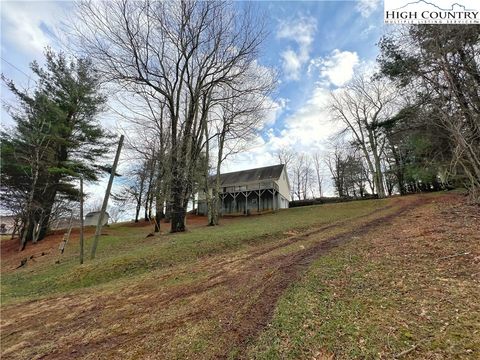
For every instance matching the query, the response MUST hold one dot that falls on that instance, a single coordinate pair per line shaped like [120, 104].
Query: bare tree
[346, 165]
[335, 163]
[115, 212]
[235, 117]
[317, 162]
[179, 51]
[149, 140]
[134, 188]
[302, 176]
[285, 156]
[362, 106]
[94, 205]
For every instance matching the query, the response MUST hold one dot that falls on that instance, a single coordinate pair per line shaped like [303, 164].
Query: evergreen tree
[439, 66]
[56, 139]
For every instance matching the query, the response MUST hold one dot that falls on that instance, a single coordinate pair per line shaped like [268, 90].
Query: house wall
[283, 203]
[284, 185]
[201, 207]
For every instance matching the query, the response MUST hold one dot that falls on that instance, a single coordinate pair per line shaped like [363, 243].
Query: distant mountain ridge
[434, 5]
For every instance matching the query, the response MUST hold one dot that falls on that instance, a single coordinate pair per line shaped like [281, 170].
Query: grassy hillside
[370, 279]
[125, 251]
[409, 289]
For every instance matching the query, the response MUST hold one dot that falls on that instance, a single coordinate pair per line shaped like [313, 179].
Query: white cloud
[310, 126]
[307, 129]
[29, 26]
[274, 110]
[300, 29]
[292, 64]
[301, 32]
[367, 31]
[367, 7]
[336, 68]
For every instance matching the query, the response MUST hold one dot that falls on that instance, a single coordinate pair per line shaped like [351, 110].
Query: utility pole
[105, 199]
[81, 220]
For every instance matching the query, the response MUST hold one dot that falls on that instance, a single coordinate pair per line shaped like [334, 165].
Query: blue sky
[316, 46]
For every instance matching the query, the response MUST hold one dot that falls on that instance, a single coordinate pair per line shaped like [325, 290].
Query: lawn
[395, 278]
[412, 292]
[125, 251]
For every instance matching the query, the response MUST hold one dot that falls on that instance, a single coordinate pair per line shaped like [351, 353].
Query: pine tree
[56, 139]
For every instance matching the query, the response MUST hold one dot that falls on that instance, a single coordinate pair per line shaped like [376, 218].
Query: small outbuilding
[91, 219]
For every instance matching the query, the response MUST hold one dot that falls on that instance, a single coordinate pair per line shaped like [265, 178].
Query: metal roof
[95, 213]
[252, 175]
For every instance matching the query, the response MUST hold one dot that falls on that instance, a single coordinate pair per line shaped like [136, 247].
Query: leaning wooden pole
[105, 199]
[81, 220]
[66, 237]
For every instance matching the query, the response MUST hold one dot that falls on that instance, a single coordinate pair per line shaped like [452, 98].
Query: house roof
[96, 213]
[252, 175]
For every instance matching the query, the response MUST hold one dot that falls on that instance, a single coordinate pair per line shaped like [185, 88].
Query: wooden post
[246, 203]
[66, 236]
[259, 195]
[105, 199]
[81, 220]
[273, 199]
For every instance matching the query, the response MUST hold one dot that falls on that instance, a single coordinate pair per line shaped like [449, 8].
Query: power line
[30, 78]
[18, 69]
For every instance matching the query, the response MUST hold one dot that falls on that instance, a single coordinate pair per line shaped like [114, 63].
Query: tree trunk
[216, 192]
[159, 197]
[47, 211]
[177, 209]
[399, 171]
[137, 211]
[139, 200]
[377, 171]
[158, 211]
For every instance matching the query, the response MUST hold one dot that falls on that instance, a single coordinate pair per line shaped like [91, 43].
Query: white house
[91, 219]
[252, 190]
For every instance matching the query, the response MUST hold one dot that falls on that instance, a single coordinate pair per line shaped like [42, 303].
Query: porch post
[273, 199]
[259, 196]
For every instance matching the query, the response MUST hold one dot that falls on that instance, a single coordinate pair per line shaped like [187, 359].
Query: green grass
[125, 252]
[359, 302]
[382, 293]
[317, 316]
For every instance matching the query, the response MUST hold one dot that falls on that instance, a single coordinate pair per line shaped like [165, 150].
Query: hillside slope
[362, 279]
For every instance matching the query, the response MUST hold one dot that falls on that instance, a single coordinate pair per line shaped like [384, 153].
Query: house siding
[284, 186]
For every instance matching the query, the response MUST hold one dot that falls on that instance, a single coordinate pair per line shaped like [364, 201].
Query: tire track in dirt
[252, 285]
[242, 320]
[289, 268]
